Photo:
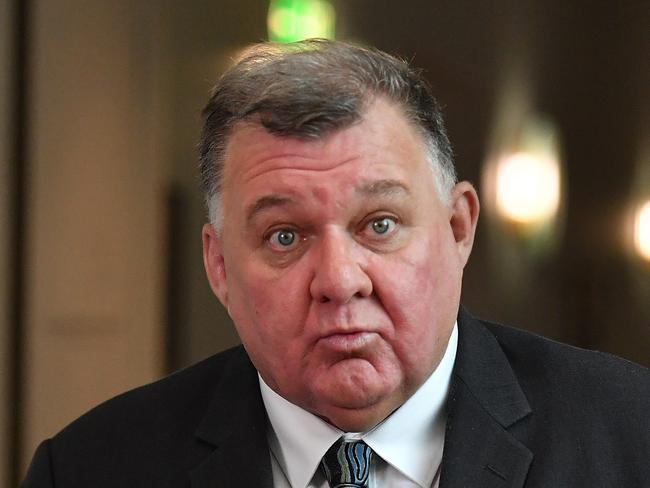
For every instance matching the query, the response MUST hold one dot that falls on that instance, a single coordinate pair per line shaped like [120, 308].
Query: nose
[339, 273]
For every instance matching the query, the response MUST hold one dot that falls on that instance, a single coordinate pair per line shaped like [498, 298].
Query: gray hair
[309, 89]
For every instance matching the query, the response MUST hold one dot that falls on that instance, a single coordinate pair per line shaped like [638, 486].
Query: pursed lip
[348, 340]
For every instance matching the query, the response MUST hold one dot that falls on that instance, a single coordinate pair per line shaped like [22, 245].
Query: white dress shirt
[409, 442]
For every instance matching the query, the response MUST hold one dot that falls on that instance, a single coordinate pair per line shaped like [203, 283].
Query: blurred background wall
[101, 279]
[6, 239]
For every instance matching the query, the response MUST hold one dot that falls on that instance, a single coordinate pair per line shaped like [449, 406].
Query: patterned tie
[347, 464]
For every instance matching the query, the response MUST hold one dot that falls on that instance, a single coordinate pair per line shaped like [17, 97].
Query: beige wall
[5, 234]
[95, 207]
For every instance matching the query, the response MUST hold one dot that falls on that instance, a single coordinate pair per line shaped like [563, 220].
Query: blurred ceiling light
[527, 187]
[294, 20]
[642, 231]
[522, 180]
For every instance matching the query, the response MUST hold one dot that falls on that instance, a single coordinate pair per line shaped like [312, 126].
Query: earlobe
[464, 217]
[214, 263]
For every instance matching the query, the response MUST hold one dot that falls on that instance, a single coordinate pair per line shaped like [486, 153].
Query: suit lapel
[235, 424]
[485, 400]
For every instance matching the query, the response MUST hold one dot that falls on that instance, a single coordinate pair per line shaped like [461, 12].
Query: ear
[213, 261]
[464, 216]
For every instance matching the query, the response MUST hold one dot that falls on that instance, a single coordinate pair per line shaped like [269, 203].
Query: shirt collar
[410, 439]
[297, 438]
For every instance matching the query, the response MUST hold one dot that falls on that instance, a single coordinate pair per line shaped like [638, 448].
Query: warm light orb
[642, 231]
[294, 20]
[528, 187]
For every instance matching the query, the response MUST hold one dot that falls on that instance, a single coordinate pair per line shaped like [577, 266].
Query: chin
[352, 396]
[353, 410]
[355, 420]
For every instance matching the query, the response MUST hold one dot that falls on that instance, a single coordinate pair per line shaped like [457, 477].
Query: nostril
[324, 299]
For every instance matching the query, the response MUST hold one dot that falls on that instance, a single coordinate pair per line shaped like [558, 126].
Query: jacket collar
[237, 430]
[484, 401]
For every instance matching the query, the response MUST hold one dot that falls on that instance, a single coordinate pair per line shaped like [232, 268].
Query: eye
[382, 225]
[283, 239]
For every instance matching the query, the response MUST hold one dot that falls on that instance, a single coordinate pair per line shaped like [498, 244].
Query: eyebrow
[384, 188]
[265, 203]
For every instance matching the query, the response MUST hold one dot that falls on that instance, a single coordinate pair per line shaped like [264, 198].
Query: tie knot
[347, 464]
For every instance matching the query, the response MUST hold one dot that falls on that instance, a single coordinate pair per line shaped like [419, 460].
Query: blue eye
[283, 238]
[383, 225]
[286, 237]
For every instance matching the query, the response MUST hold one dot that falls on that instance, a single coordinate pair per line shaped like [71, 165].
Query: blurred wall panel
[5, 236]
[95, 208]
[205, 36]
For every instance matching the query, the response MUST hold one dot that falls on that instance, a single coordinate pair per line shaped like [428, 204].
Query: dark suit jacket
[522, 411]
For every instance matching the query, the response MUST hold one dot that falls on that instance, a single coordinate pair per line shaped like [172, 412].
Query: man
[337, 241]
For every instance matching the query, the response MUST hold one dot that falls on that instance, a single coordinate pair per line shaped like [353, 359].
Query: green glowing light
[293, 20]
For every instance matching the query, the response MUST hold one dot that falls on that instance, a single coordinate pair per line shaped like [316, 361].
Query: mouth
[348, 341]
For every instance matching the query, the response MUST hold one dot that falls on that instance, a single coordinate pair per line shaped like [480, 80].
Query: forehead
[382, 145]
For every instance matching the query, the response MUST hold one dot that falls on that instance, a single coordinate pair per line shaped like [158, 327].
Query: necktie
[347, 464]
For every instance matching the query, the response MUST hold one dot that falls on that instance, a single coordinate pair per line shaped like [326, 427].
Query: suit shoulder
[569, 370]
[177, 401]
[567, 406]
[148, 436]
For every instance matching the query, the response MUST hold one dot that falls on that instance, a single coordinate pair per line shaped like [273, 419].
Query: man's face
[339, 263]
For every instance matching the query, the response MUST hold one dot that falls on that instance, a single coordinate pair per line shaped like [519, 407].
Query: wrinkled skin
[340, 264]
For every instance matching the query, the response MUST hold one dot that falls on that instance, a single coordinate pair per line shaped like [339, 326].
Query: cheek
[269, 316]
[420, 291]
[268, 310]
